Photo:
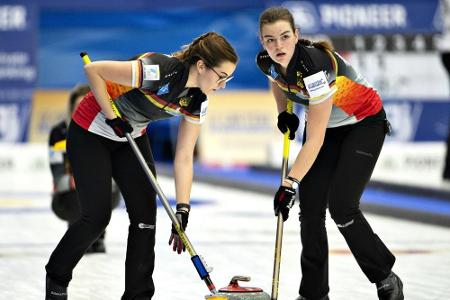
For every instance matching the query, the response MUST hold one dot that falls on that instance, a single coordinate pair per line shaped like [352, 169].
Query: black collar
[293, 63]
[178, 83]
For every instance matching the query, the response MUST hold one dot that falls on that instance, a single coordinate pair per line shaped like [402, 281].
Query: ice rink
[234, 230]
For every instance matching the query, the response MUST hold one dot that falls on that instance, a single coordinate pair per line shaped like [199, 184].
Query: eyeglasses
[222, 79]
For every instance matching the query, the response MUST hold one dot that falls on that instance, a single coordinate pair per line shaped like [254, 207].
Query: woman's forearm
[96, 72]
[183, 173]
[305, 159]
[318, 116]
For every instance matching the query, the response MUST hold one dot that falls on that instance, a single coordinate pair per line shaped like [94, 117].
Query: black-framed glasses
[222, 79]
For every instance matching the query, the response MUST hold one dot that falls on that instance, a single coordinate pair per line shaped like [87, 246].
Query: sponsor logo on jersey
[272, 72]
[163, 90]
[151, 72]
[170, 74]
[317, 84]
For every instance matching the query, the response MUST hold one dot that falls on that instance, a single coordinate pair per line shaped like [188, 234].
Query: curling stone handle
[235, 279]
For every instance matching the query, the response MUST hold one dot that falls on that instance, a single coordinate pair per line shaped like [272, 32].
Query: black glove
[182, 216]
[287, 120]
[120, 126]
[283, 201]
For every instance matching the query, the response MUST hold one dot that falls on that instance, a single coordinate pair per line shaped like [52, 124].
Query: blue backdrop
[120, 35]
[57, 31]
[115, 29]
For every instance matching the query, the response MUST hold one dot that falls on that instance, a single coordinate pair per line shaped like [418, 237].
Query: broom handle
[196, 260]
[279, 233]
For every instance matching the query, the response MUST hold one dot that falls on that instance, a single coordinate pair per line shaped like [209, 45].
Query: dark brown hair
[278, 13]
[210, 47]
[274, 14]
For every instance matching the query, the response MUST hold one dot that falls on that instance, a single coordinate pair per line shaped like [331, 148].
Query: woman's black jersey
[158, 92]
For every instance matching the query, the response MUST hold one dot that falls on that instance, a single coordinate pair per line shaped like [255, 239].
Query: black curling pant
[337, 179]
[94, 159]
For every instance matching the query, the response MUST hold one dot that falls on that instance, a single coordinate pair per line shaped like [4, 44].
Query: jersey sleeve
[195, 110]
[200, 116]
[318, 87]
[149, 69]
[320, 83]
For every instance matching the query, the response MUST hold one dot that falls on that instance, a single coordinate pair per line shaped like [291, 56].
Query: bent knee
[345, 219]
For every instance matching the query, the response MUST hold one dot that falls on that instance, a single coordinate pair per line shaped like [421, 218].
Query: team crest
[184, 101]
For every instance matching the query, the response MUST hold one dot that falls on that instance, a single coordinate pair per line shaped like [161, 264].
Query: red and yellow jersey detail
[356, 99]
[170, 108]
[115, 90]
[289, 88]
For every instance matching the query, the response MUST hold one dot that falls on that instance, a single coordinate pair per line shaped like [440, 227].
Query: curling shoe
[390, 288]
[304, 298]
[54, 291]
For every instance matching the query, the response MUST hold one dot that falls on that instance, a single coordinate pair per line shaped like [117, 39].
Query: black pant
[337, 179]
[94, 160]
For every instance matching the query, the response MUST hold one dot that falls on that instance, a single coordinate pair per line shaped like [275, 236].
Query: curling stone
[235, 292]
